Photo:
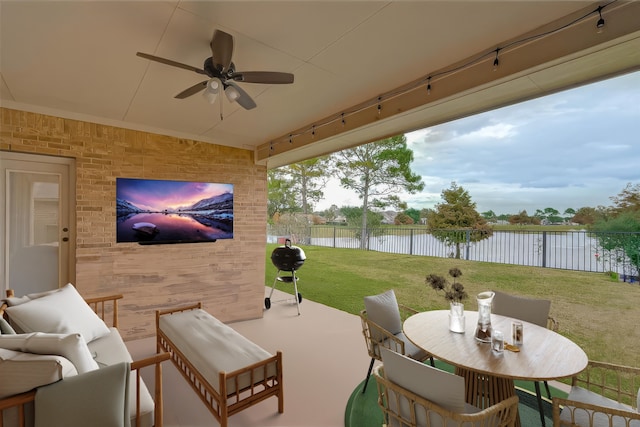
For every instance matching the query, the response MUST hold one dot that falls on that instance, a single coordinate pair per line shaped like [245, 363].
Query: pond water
[172, 227]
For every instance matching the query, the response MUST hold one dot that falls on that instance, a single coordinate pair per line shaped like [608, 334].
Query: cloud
[568, 150]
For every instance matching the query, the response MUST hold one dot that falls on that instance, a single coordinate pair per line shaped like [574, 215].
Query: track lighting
[233, 94]
[212, 90]
[600, 23]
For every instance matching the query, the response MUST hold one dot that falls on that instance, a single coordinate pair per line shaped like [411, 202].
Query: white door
[36, 219]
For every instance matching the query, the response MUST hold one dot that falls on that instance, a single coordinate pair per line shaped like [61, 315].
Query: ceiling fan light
[212, 90]
[232, 93]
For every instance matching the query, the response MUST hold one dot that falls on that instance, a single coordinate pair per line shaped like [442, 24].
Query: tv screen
[153, 211]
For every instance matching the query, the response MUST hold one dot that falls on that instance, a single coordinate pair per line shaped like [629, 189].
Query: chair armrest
[408, 310]
[616, 382]
[136, 366]
[588, 415]
[501, 414]
[376, 336]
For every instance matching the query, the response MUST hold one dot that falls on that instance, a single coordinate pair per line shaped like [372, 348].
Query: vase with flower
[454, 293]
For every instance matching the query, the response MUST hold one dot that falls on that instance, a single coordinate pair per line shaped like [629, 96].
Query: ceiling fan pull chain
[221, 115]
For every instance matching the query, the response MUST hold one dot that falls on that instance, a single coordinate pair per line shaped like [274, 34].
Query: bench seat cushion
[213, 347]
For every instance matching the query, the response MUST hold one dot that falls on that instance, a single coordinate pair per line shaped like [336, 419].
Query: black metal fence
[617, 253]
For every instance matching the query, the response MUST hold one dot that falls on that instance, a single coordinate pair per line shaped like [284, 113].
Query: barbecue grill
[287, 259]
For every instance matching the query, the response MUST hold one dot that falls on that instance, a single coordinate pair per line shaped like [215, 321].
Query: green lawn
[599, 314]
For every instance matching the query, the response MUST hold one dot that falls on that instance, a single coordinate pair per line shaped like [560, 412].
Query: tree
[353, 215]
[552, 215]
[489, 215]
[403, 219]
[627, 200]
[280, 195]
[586, 216]
[524, 219]
[307, 180]
[414, 214]
[619, 229]
[457, 213]
[377, 172]
[569, 213]
[331, 214]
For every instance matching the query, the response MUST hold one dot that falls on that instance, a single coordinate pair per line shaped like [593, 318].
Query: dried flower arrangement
[453, 292]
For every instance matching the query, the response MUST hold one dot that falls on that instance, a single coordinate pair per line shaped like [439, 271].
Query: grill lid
[288, 257]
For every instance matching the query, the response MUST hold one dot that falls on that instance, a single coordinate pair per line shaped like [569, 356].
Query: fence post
[466, 250]
[411, 242]
[544, 248]
[334, 236]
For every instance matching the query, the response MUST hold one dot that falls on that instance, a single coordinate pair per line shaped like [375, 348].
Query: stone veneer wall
[227, 276]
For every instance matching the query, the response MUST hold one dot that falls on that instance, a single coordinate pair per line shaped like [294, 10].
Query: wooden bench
[226, 370]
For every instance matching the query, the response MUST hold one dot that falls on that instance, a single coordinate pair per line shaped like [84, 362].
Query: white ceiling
[78, 60]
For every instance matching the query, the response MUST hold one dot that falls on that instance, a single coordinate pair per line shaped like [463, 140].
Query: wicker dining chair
[530, 310]
[403, 408]
[604, 394]
[382, 328]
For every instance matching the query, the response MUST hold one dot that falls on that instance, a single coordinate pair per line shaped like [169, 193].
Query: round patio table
[489, 376]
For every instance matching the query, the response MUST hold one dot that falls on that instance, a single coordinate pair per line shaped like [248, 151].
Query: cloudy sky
[569, 150]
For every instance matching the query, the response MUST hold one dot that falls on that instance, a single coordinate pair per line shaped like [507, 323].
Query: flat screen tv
[151, 211]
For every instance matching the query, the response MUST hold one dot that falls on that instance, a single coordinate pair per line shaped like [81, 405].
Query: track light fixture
[600, 23]
[496, 62]
[429, 85]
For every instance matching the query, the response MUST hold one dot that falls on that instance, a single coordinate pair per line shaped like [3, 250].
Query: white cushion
[383, 310]
[60, 312]
[21, 372]
[110, 350]
[582, 416]
[5, 327]
[11, 301]
[69, 346]
[437, 386]
[440, 387]
[213, 347]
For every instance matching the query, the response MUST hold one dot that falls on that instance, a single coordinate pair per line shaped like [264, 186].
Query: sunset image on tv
[160, 211]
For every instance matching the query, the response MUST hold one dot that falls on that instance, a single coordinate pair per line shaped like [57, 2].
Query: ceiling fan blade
[269, 77]
[221, 50]
[192, 90]
[243, 99]
[170, 62]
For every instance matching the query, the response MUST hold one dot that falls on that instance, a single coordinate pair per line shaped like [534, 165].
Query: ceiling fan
[222, 73]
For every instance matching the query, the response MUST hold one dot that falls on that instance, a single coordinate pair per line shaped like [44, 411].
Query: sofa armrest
[17, 401]
[136, 366]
